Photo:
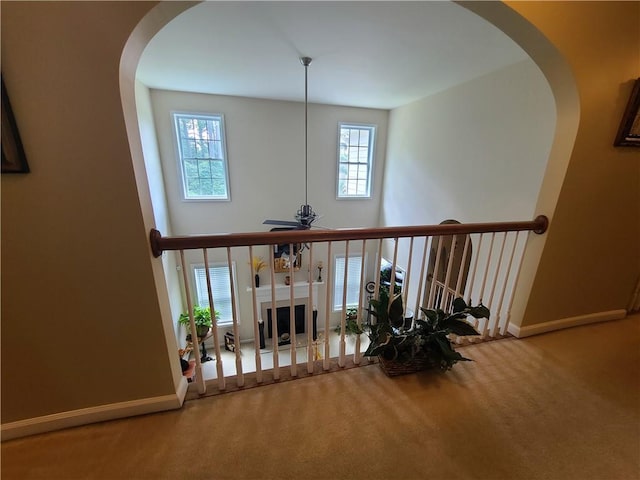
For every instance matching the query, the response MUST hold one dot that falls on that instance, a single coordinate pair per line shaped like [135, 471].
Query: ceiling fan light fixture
[305, 215]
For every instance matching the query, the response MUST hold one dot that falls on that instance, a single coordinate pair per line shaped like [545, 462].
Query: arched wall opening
[541, 51]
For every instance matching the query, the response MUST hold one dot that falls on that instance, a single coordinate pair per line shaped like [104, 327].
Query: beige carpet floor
[564, 405]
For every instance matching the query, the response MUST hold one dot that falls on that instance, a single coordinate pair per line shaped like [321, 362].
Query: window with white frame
[203, 157]
[354, 269]
[355, 160]
[220, 289]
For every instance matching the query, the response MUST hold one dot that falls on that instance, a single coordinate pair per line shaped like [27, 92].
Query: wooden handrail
[160, 244]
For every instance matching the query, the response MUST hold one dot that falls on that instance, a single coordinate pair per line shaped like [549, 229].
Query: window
[354, 264]
[203, 158]
[355, 160]
[220, 289]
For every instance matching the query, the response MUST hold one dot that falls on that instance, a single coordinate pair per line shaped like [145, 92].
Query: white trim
[373, 131]
[283, 292]
[225, 161]
[529, 330]
[84, 416]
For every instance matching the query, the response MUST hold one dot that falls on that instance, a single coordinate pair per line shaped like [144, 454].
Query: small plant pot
[202, 330]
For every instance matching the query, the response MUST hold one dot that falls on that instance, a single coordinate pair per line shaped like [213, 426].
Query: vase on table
[257, 280]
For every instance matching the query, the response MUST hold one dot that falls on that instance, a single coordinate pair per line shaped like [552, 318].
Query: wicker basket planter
[394, 368]
[426, 343]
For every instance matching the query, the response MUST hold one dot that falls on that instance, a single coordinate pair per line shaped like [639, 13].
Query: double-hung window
[354, 268]
[220, 289]
[355, 160]
[203, 156]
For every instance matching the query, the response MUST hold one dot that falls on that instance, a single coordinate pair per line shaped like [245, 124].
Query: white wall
[474, 153]
[153, 169]
[265, 148]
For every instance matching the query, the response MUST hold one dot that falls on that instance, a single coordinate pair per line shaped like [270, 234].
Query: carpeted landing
[564, 405]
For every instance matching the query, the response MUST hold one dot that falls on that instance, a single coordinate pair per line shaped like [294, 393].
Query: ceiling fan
[305, 215]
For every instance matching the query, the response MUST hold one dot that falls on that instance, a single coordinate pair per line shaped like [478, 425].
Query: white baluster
[214, 324]
[463, 263]
[275, 335]
[192, 324]
[309, 314]
[256, 326]
[236, 332]
[423, 273]
[329, 274]
[407, 277]
[356, 354]
[343, 317]
[293, 354]
[513, 287]
[447, 276]
[473, 279]
[474, 270]
[493, 287]
[496, 324]
[434, 279]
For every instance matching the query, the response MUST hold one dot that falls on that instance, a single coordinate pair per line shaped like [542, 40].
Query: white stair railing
[492, 273]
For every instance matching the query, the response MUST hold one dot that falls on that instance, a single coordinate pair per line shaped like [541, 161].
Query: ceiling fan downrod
[306, 208]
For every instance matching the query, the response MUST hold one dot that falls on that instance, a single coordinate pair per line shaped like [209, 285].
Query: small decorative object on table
[203, 321]
[320, 271]
[287, 280]
[258, 265]
[425, 344]
[229, 342]
[351, 325]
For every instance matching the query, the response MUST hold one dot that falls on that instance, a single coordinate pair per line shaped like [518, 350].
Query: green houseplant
[423, 345]
[351, 326]
[201, 317]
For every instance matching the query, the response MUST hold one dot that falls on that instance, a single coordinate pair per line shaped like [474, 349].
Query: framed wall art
[629, 131]
[13, 158]
[282, 257]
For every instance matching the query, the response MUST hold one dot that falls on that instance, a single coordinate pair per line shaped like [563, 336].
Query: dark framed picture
[629, 131]
[282, 257]
[13, 158]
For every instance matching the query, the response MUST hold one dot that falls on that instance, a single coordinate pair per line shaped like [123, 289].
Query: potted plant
[258, 265]
[351, 326]
[201, 317]
[423, 345]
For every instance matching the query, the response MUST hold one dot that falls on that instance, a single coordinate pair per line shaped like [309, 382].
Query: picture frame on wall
[282, 257]
[14, 159]
[629, 130]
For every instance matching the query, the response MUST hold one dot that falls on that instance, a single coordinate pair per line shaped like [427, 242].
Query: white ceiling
[365, 54]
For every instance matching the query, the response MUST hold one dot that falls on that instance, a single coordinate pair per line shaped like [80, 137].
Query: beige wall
[591, 260]
[80, 314]
[459, 153]
[476, 152]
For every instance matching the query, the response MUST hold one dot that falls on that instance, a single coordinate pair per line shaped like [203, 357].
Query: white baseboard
[529, 330]
[84, 416]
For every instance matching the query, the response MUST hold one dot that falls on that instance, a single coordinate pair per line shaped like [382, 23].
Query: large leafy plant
[427, 338]
[201, 317]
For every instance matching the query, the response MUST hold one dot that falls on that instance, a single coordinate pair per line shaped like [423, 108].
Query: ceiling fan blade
[281, 222]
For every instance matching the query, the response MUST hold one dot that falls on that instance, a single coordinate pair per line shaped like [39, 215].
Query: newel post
[154, 239]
